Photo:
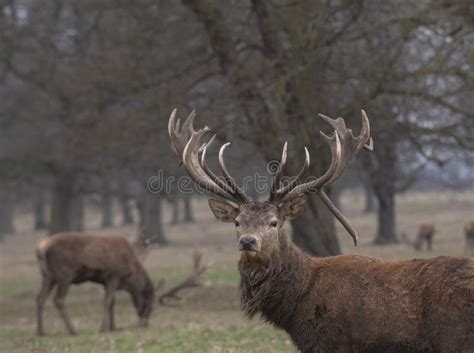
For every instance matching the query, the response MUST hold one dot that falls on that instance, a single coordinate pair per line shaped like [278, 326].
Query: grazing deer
[424, 236]
[469, 234]
[74, 258]
[336, 304]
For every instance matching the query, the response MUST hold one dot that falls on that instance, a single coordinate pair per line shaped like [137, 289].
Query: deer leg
[109, 301]
[59, 298]
[470, 246]
[112, 315]
[46, 287]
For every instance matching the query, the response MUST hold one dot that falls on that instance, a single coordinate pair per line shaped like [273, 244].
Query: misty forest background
[87, 87]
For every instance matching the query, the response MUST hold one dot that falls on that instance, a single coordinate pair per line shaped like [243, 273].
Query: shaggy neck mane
[274, 289]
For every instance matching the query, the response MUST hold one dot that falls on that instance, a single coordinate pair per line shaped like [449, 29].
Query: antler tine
[188, 123]
[193, 167]
[338, 214]
[171, 122]
[209, 172]
[172, 134]
[180, 136]
[186, 143]
[238, 192]
[282, 191]
[281, 165]
[369, 146]
[344, 146]
[350, 145]
[191, 281]
[278, 173]
[334, 144]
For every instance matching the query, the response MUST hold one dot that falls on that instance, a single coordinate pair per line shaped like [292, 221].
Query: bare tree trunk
[61, 202]
[369, 198]
[381, 166]
[7, 210]
[76, 215]
[39, 210]
[175, 209]
[107, 205]
[188, 211]
[140, 202]
[127, 217]
[386, 226]
[150, 219]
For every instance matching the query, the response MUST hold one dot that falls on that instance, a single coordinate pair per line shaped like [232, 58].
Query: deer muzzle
[249, 243]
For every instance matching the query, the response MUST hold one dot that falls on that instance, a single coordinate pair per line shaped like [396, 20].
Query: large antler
[191, 281]
[187, 144]
[343, 146]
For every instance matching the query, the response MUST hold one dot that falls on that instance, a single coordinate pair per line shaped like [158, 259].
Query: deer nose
[246, 243]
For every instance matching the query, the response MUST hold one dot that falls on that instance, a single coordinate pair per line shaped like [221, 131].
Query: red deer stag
[74, 258]
[337, 304]
[469, 234]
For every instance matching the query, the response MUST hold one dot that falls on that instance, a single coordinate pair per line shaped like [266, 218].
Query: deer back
[426, 230]
[79, 257]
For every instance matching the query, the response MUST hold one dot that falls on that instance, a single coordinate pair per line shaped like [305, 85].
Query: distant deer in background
[423, 237]
[74, 258]
[469, 234]
[340, 304]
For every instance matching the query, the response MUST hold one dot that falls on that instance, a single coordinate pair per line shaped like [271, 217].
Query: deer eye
[273, 223]
[237, 223]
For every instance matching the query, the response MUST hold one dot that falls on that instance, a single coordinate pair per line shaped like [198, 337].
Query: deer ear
[223, 211]
[292, 207]
[141, 247]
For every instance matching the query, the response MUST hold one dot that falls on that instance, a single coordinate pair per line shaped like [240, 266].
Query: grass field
[209, 319]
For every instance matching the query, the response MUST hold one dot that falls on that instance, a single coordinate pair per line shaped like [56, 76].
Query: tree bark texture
[107, 205]
[62, 202]
[39, 210]
[381, 166]
[7, 211]
[127, 216]
[188, 210]
[151, 229]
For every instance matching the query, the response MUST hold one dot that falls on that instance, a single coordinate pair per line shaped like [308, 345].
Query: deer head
[258, 223]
